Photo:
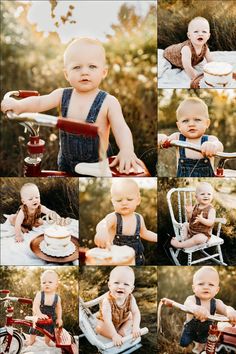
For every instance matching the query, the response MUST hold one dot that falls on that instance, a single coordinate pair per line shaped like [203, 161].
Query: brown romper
[198, 228]
[29, 221]
[119, 314]
[174, 56]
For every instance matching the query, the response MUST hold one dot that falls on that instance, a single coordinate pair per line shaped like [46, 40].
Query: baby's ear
[105, 71]
[208, 122]
[65, 74]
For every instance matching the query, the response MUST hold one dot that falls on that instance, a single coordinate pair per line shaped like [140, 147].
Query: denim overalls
[193, 167]
[133, 241]
[50, 311]
[78, 148]
[195, 330]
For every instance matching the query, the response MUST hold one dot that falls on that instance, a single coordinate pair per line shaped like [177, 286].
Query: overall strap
[198, 301]
[138, 224]
[66, 96]
[181, 149]
[119, 224]
[213, 306]
[204, 138]
[42, 298]
[55, 300]
[95, 108]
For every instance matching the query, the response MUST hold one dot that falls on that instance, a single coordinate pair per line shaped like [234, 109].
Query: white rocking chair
[87, 323]
[179, 197]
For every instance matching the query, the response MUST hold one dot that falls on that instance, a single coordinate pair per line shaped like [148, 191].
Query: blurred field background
[175, 283]
[174, 16]
[224, 202]
[25, 282]
[58, 194]
[93, 283]
[222, 114]
[95, 204]
[30, 60]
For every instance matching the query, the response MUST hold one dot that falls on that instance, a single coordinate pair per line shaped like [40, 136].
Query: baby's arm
[187, 62]
[33, 104]
[211, 147]
[208, 56]
[36, 307]
[110, 328]
[200, 312]
[162, 138]
[209, 221]
[189, 211]
[18, 223]
[59, 321]
[136, 318]
[126, 156]
[147, 234]
[227, 311]
[105, 231]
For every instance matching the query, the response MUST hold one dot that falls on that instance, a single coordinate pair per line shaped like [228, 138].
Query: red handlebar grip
[4, 291]
[27, 93]
[76, 127]
[45, 321]
[166, 144]
[23, 300]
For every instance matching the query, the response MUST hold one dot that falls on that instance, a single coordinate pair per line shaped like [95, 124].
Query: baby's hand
[136, 332]
[199, 218]
[59, 322]
[10, 104]
[126, 160]
[19, 238]
[102, 240]
[189, 208]
[209, 148]
[201, 313]
[42, 316]
[117, 339]
[231, 314]
[161, 138]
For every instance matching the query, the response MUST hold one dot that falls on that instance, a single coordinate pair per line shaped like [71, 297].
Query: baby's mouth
[120, 292]
[200, 39]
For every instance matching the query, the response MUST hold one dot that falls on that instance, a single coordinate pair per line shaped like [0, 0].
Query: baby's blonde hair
[127, 269]
[202, 184]
[208, 268]
[49, 271]
[26, 186]
[198, 18]
[195, 101]
[83, 40]
[124, 181]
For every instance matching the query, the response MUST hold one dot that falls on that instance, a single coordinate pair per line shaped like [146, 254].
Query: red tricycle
[12, 340]
[218, 339]
[36, 146]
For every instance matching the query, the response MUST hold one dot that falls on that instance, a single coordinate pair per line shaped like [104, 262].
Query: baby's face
[199, 32]
[49, 282]
[192, 122]
[31, 197]
[121, 284]
[125, 198]
[204, 195]
[85, 67]
[206, 284]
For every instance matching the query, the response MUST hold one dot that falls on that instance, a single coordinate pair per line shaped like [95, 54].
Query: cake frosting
[117, 255]
[218, 74]
[57, 237]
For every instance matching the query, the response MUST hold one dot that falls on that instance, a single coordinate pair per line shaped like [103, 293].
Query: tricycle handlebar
[21, 300]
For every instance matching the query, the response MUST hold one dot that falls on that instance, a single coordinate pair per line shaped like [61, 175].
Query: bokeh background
[222, 114]
[174, 16]
[95, 204]
[58, 194]
[93, 283]
[33, 59]
[25, 282]
[175, 283]
[224, 202]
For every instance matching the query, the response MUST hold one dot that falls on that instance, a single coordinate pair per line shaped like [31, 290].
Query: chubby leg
[12, 219]
[31, 340]
[197, 239]
[38, 222]
[48, 341]
[185, 229]
[198, 347]
[103, 329]
[126, 327]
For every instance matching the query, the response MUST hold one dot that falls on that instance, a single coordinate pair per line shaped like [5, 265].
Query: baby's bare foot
[48, 342]
[30, 342]
[174, 242]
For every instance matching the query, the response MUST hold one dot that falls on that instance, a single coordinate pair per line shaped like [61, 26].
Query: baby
[84, 68]
[202, 304]
[124, 226]
[29, 213]
[119, 314]
[187, 54]
[192, 122]
[201, 219]
[47, 304]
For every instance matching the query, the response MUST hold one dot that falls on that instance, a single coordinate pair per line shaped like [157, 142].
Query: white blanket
[177, 78]
[19, 253]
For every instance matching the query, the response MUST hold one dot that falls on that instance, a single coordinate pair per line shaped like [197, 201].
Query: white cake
[57, 237]
[117, 255]
[218, 74]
